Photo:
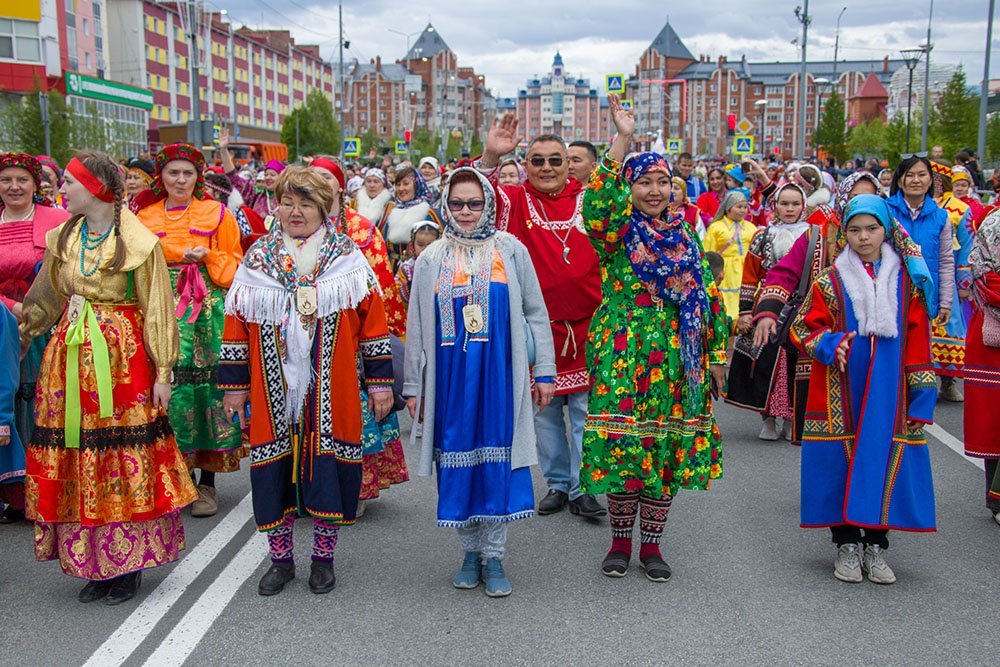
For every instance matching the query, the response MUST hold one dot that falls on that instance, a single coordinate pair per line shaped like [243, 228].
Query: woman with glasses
[928, 224]
[468, 379]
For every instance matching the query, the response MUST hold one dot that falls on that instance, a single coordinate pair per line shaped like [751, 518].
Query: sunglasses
[539, 161]
[456, 205]
[907, 156]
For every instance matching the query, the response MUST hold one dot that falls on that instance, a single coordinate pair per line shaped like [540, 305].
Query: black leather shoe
[95, 590]
[275, 578]
[553, 502]
[11, 515]
[587, 506]
[124, 588]
[321, 579]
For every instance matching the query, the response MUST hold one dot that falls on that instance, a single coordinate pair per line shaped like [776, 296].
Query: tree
[992, 139]
[370, 141]
[423, 143]
[31, 131]
[954, 121]
[832, 132]
[868, 139]
[311, 128]
[476, 147]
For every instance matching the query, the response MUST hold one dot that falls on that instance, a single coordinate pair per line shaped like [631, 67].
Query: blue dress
[11, 454]
[474, 423]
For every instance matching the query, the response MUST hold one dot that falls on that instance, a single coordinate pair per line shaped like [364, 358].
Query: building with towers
[562, 104]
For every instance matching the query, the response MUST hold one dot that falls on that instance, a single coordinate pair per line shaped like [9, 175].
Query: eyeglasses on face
[456, 205]
[907, 156]
[539, 161]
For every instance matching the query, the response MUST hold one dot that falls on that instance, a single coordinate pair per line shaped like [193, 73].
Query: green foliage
[30, 136]
[423, 144]
[316, 126]
[476, 147]
[370, 141]
[455, 147]
[867, 139]
[832, 131]
[954, 121]
[992, 139]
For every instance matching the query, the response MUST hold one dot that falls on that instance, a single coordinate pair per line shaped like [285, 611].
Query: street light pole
[836, 45]
[340, 77]
[911, 57]
[984, 92]
[927, 80]
[800, 139]
[195, 86]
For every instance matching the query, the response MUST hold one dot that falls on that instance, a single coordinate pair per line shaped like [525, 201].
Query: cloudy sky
[512, 40]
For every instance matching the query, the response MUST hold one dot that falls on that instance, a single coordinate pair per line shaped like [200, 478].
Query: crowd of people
[166, 320]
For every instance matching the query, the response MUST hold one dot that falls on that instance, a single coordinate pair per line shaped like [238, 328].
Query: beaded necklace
[88, 243]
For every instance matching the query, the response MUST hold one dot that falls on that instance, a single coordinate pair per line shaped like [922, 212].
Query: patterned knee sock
[652, 517]
[324, 540]
[492, 539]
[279, 541]
[622, 508]
[468, 537]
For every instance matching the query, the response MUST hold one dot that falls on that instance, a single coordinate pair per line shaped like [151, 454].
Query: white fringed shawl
[875, 302]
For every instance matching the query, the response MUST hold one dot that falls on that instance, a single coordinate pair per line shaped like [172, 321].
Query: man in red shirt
[544, 214]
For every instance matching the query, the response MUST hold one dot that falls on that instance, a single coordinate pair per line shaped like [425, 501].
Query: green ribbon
[80, 332]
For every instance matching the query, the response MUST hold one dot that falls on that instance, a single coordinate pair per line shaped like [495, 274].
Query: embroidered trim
[472, 458]
[576, 220]
[572, 381]
[482, 518]
[378, 348]
[234, 353]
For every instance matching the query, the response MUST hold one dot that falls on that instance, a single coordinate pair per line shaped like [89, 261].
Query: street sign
[216, 129]
[673, 146]
[742, 145]
[615, 83]
[352, 147]
[402, 148]
[627, 104]
[744, 126]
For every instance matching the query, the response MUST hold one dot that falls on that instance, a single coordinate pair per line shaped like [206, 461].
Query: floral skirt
[205, 436]
[112, 503]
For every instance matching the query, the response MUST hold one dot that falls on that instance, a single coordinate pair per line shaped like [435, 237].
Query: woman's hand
[380, 403]
[964, 294]
[843, 350]
[223, 138]
[766, 328]
[17, 310]
[195, 255]
[502, 139]
[543, 393]
[944, 315]
[234, 403]
[743, 324]
[757, 170]
[913, 426]
[624, 119]
[718, 373]
[227, 157]
[161, 396]
[411, 406]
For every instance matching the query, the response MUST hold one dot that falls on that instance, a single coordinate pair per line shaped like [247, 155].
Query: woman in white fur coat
[410, 204]
[373, 196]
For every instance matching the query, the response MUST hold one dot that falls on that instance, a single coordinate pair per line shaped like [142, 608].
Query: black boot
[124, 588]
[587, 507]
[321, 579]
[275, 578]
[11, 515]
[95, 590]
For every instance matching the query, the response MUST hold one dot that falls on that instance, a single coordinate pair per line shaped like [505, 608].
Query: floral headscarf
[844, 191]
[668, 261]
[420, 191]
[899, 239]
[179, 152]
[30, 164]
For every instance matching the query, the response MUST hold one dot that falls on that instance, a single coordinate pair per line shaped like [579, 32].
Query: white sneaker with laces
[847, 567]
[874, 564]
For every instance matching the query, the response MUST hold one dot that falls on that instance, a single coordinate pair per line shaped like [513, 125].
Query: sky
[511, 41]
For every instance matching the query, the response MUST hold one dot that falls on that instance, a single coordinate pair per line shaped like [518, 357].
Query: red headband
[88, 180]
[330, 166]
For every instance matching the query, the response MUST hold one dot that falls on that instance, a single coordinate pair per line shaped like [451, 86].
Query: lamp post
[407, 35]
[926, 48]
[910, 57]
[985, 90]
[802, 14]
[836, 44]
[761, 105]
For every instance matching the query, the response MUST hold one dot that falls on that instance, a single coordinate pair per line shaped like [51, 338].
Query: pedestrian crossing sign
[402, 148]
[743, 144]
[627, 105]
[352, 147]
[615, 83]
[673, 146]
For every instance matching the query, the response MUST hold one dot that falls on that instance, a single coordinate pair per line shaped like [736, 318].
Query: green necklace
[88, 243]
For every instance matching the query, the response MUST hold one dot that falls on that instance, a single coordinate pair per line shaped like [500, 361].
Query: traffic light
[731, 123]
[407, 136]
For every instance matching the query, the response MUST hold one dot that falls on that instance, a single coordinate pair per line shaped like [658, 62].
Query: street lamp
[910, 57]
[761, 105]
[407, 35]
[836, 44]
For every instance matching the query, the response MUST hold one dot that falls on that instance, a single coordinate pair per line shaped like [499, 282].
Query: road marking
[141, 622]
[953, 443]
[184, 637]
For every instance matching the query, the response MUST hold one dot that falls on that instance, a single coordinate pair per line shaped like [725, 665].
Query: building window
[19, 41]
[712, 88]
[86, 60]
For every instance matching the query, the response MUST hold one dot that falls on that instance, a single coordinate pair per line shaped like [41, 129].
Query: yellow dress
[732, 241]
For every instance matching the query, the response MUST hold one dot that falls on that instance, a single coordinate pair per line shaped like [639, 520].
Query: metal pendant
[566, 254]
[305, 298]
[75, 308]
[473, 316]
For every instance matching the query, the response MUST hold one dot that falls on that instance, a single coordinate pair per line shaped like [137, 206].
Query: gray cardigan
[526, 304]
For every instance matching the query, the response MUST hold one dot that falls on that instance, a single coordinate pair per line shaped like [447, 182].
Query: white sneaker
[361, 509]
[786, 430]
[996, 517]
[847, 567]
[874, 564]
[770, 430]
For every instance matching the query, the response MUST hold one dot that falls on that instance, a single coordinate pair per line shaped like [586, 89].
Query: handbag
[791, 308]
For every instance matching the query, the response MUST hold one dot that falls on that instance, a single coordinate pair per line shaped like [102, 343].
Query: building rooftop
[872, 88]
[669, 45]
[428, 45]
[778, 73]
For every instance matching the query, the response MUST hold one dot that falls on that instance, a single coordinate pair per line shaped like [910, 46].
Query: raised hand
[624, 119]
[223, 138]
[502, 139]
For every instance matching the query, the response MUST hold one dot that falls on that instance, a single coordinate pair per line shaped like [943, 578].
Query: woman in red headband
[106, 481]
[25, 217]
[201, 242]
[383, 463]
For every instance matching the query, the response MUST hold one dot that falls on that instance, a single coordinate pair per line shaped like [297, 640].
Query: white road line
[184, 637]
[953, 443]
[151, 610]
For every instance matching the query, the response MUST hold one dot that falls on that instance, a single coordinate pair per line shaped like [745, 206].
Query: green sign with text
[93, 88]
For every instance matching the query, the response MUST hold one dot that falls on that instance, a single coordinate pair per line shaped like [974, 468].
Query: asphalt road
[749, 587]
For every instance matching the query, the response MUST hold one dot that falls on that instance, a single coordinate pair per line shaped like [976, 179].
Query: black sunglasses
[539, 161]
[907, 156]
[456, 205]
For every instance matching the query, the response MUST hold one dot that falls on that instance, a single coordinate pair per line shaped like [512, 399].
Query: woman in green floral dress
[656, 351]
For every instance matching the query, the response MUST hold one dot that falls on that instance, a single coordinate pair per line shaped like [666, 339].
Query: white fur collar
[818, 198]
[401, 221]
[373, 208]
[875, 302]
